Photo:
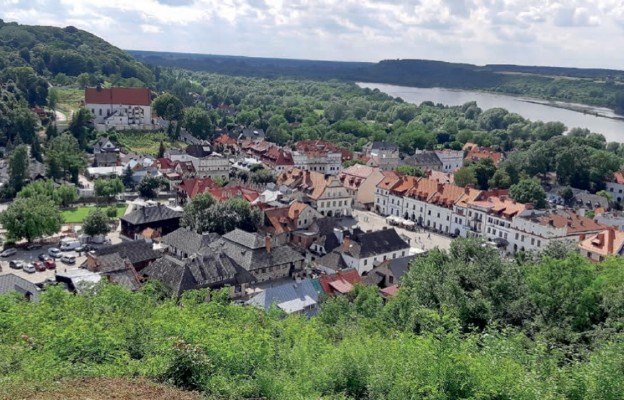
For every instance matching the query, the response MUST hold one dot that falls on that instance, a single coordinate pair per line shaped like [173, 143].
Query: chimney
[267, 243]
[467, 190]
[581, 237]
[346, 243]
[610, 239]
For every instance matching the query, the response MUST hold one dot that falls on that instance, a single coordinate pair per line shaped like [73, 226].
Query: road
[423, 240]
[60, 117]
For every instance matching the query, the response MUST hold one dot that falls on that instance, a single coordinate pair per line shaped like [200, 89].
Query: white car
[30, 268]
[8, 252]
[54, 252]
[66, 259]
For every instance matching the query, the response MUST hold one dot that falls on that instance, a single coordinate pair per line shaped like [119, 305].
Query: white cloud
[565, 32]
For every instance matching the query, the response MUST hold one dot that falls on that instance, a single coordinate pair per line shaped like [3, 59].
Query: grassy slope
[145, 142]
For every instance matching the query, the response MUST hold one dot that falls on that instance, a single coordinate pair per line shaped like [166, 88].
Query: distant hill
[599, 87]
[50, 51]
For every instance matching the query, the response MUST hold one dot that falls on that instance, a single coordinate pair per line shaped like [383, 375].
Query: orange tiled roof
[501, 205]
[605, 243]
[225, 140]
[341, 282]
[232, 192]
[404, 184]
[447, 196]
[195, 186]
[574, 223]
[423, 190]
[618, 177]
[477, 153]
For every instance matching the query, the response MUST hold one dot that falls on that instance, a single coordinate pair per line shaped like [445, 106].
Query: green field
[78, 214]
[146, 143]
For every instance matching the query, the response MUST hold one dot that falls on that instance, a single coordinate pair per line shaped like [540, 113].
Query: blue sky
[586, 33]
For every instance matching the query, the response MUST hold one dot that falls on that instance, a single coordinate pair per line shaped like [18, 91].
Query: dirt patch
[99, 389]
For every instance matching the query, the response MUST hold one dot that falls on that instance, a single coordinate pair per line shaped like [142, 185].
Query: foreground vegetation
[464, 325]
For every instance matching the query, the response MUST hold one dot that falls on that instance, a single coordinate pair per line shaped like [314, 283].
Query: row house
[534, 231]
[213, 166]
[451, 159]
[397, 194]
[382, 192]
[319, 156]
[607, 243]
[491, 218]
[270, 154]
[361, 182]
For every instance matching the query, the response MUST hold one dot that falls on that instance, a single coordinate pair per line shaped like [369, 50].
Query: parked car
[39, 266]
[16, 264]
[30, 268]
[67, 245]
[43, 257]
[49, 264]
[82, 248]
[33, 246]
[68, 259]
[54, 252]
[8, 252]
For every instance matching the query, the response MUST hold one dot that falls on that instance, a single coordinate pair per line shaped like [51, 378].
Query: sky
[574, 33]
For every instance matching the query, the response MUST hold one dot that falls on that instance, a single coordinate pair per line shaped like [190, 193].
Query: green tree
[30, 218]
[566, 193]
[409, 170]
[465, 176]
[108, 187]
[149, 186]
[81, 126]
[18, 168]
[484, 170]
[128, 177]
[500, 180]
[62, 195]
[196, 209]
[350, 163]
[529, 191]
[197, 122]
[262, 176]
[64, 158]
[227, 216]
[66, 195]
[161, 149]
[96, 223]
[168, 107]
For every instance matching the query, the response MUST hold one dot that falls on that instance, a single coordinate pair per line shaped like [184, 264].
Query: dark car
[39, 266]
[44, 257]
[33, 246]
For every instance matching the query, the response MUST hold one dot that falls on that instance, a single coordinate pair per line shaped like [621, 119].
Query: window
[532, 241]
[517, 235]
[365, 262]
[403, 253]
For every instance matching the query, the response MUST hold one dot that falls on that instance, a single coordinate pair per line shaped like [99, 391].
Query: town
[326, 218]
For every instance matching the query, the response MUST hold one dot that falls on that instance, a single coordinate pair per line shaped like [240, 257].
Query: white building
[213, 166]
[493, 218]
[382, 193]
[317, 156]
[120, 108]
[330, 198]
[616, 186]
[451, 159]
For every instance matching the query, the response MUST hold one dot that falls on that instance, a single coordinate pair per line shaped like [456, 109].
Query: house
[189, 188]
[281, 222]
[78, 280]
[120, 107]
[382, 192]
[383, 155]
[397, 193]
[158, 217]
[361, 181]
[319, 156]
[364, 250]
[140, 253]
[477, 153]
[198, 150]
[11, 283]
[226, 144]
[106, 160]
[377, 148]
[389, 272]
[609, 242]
[233, 192]
[322, 237]
[441, 177]
[260, 257]
[615, 186]
[104, 145]
[613, 218]
[492, 218]
[114, 269]
[253, 134]
[416, 200]
[451, 159]
[535, 230]
[296, 297]
[440, 207]
[342, 282]
[425, 160]
[184, 243]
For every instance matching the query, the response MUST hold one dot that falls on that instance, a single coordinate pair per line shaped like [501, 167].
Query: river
[606, 122]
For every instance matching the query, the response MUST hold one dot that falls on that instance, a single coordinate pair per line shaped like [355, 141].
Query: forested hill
[62, 53]
[600, 87]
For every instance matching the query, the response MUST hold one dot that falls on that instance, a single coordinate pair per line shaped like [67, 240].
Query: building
[397, 193]
[281, 222]
[477, 153]
[361, 181]
[609, 242]
[364, 250]
[451, 159]
[253, 134]
[212, 166]
[160, 218]
[225, 144]
[189, 188]
[425, 160]
[342, 282]
[382, 192]
[492, 217]
[104, 145]
[233, 192]
[114, 269]
[389, 272]
[440, 207]
[106, 160]
[292, 298]
[120, 108]
[319, 156]
[258, 255]
[536, 230]
[140, 253]
[615, 186]
[11, 283]
[323, 236]
[383, 155]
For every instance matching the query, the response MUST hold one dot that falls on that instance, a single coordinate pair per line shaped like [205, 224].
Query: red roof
[342, 282]
[232, 192]
[195, 186]
[118, 95]
[389, 291]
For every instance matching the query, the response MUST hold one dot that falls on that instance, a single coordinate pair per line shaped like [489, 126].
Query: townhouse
[492, 217]
[361, 182]
[319, 156]
[382, 192]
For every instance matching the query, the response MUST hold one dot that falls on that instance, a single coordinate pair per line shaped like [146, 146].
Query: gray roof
[244, 238]
[135, 251]
[105, 158]
[591, 201]
[110, 263]
[10, 283]
[146, 215]
[332, 260]
[253, 259]
[290, 297]
[369, 244]
[126, 278]
[423, 159]
[399, 266]
[188, 241]
[210, 270]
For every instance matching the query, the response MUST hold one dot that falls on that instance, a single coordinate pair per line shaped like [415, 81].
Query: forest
[597, 87]
[465, 324]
